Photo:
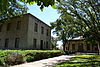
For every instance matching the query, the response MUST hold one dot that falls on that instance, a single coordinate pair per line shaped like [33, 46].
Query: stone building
[25, 32]
[79, 45]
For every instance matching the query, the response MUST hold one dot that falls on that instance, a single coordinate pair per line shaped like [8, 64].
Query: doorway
[41, 44]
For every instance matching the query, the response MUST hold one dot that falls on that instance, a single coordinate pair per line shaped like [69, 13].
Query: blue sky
[47, 15]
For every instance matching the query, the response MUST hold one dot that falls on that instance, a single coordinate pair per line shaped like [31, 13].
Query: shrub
[69, 52]
[30, 57]
[1, 62]
[14, 58]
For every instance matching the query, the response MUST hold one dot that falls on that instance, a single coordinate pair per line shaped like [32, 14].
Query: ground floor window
[95, 47]
[73, 46]
[80, 48]
[6, 43]
[34, 43]
[47, 44]
[17, 42]
[88, 46]
[41, 44]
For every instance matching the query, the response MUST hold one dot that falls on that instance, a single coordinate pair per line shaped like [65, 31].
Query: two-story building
[25, 32]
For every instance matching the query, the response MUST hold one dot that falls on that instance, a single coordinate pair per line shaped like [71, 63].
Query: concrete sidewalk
[46, 62]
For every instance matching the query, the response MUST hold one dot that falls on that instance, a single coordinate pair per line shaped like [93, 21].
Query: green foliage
[82, 60]
[83, 14]
[69, 52]
[1, 62]
[54, 42]
[12, 57]
[30, 56]
[10, 8]
[78, 18]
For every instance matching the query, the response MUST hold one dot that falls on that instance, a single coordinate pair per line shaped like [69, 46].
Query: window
[42, 30]
[0, 41]
[6, 43]
[18, 25]
[47, 44]
[8, 26]
[47, 32]
[73, 46]
[41, 45]
[36, 27]
[88, 46]
[0, 27]
[17, 42]
[34, 43]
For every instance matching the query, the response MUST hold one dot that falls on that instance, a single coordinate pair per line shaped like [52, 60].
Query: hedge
[12, 57]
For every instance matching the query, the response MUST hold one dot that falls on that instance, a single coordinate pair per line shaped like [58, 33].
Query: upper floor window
[17, 42]
[42, 30]
[6, 43]
[36, 27]
[18, 25]
[47, 32]
[8, 26]
[0, 27]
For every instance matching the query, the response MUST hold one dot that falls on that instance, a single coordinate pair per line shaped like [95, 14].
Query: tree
[41, 3]
[10, 8]
[64, 30]
[86, 14]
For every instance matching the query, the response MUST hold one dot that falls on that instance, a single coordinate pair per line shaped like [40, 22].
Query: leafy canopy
[85, 17]
[10, 8]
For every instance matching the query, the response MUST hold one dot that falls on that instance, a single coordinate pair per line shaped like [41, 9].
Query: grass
[82, 60]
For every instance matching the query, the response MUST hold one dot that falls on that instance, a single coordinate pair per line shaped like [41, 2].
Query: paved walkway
[46, 62]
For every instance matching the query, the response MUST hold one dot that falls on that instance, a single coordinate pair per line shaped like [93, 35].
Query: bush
[30, 57]
[69, 52]
[14, 58]
[1, 62]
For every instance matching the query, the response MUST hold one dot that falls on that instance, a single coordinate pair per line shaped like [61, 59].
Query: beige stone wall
[37, 35]
[13, 33]
[25, 33]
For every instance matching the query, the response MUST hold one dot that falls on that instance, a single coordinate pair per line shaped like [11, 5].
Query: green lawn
[83, 60]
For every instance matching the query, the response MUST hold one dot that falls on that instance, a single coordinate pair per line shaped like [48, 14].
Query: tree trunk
[64, 44]
[98, 49]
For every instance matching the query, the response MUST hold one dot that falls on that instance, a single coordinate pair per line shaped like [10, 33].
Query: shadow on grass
[81, 61]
